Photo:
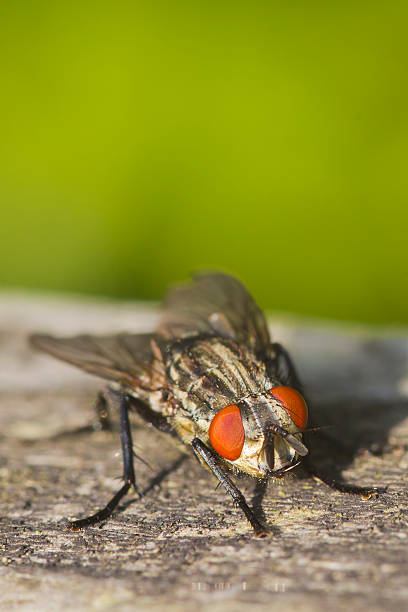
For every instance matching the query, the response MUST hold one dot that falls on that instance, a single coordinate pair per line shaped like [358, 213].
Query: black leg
[150, 416]
[286, 371]
[203, 452]
[102, 412]
[103, 422]
[258, 497]
[128, 471]
[337, 485]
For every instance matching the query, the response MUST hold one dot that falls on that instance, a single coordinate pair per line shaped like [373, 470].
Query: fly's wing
[218, 305]
[126, 358]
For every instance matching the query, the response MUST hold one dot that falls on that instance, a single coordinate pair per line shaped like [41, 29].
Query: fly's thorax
[206, 374]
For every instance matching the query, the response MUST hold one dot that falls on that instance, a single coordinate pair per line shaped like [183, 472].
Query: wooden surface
[185, 544]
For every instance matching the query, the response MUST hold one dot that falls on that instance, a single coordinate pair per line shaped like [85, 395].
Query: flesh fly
[209, 375]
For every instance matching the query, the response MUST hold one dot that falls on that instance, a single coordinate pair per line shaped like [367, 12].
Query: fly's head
[262, 435]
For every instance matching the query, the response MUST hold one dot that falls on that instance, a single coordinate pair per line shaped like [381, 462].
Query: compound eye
[227, 432]
[293, 403]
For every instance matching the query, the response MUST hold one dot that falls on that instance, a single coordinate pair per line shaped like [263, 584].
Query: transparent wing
[215, 304]
[126, 358]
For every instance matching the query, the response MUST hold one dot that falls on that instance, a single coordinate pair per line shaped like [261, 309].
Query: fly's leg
[286, 370]
[128, 470]
[102, 412]
[103, 422]
[162, 424]
[337, 485]
[202, 451]
[151, 416]
[288, 373]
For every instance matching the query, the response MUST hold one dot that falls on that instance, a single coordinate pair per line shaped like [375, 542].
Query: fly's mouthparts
[279, 473]
[296, 444]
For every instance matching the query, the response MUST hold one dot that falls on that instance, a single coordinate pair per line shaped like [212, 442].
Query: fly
[210, 376]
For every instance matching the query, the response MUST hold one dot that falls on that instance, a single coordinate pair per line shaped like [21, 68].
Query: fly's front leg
[337, 485]
[202, 451]
[128, 470]
[287, 372]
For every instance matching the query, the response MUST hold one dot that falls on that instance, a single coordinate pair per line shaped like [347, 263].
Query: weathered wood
[185, 541]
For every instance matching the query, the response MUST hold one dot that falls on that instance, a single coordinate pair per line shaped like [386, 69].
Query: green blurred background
[142, 141]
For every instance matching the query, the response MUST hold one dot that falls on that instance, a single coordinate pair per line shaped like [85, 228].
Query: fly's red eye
[227, 432]
[293, 403]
